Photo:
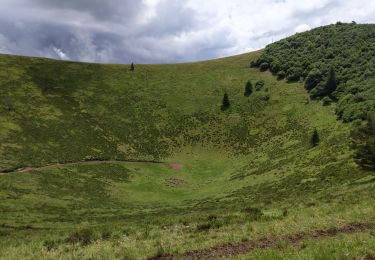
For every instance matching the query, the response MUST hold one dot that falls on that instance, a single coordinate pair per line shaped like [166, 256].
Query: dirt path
[53, 165]
[228, 250]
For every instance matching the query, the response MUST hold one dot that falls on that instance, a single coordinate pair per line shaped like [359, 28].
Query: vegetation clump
[248, 89]
[259, 85]
[281, 75]
[253, 213]
[81, 236]
[315, 139]
[364, 144]
[225, 103]
[264, 66]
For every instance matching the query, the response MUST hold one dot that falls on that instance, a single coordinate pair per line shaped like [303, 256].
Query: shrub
[285, 212]
[106, 234]
[253, 64]
[265, 97]
[259, 85]
[315, 138]
[211, 218]
[313, 79]
[132, 68]
[204, 226]
[50, 244]
[293, 74]
[326, 101]
[248, 89]
[254, 213]
[8, 104]
[225, 103]
[363, 139]
[82, 236]
[264, 66]
[281, 75]
[331, 84]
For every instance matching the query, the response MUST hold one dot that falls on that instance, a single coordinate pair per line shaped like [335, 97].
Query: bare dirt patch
[174, 182]
[228, 250]
[176, 166]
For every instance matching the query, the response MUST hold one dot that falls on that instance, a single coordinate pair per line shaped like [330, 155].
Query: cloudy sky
[162, 31]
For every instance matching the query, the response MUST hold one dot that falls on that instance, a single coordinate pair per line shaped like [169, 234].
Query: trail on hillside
[228, 250]
[53, 165]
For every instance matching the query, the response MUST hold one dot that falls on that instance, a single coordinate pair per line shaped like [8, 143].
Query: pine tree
[315, 138]
[248, 89]
[363, 139]
[226, 103]
[132, 67]
[331, 84]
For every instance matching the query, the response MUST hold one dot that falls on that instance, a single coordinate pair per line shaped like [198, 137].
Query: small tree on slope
[315, 138]
[226, 103]
[364, 144]
[248, 89]
[331, 84]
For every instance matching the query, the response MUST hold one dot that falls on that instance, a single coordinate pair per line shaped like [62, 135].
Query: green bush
[265, 97]
[313, 79]
[82, 236]
[248, 89]
[225, 103]
[51, 244]
[204, 226]
[264, 66]
[259, 85]
[315, 138]
[253, 213]
[326, 101]
[293, 74]
[363, 139]
[281, 75]
[106, 234]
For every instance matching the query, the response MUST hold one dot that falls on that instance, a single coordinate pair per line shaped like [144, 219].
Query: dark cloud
[101, 10]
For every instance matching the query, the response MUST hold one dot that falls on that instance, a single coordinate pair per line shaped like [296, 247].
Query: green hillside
[348, 49]
[101, 162]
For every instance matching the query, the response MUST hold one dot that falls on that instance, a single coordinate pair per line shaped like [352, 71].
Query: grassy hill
[348, 49]
[101, 162]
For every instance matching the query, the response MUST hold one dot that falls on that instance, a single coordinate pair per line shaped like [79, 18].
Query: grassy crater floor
[214, 179]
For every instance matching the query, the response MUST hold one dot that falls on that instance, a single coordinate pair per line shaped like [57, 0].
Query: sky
[162, 31]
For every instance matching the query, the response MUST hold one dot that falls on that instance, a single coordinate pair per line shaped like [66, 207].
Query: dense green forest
[347, 50]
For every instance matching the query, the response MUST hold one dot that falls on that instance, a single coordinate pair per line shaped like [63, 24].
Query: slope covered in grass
[58, 111]
[212, 176]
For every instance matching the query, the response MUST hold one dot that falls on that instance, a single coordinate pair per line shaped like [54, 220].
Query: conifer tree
[226, 103]
[364, 144]
[248, 89]
[331, 84]
[315, 138]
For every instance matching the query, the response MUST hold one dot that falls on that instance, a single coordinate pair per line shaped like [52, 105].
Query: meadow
[101, 162]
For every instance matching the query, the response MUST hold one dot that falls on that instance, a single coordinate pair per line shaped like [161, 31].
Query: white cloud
[60, 53]
[302, 28]
[4, 43]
